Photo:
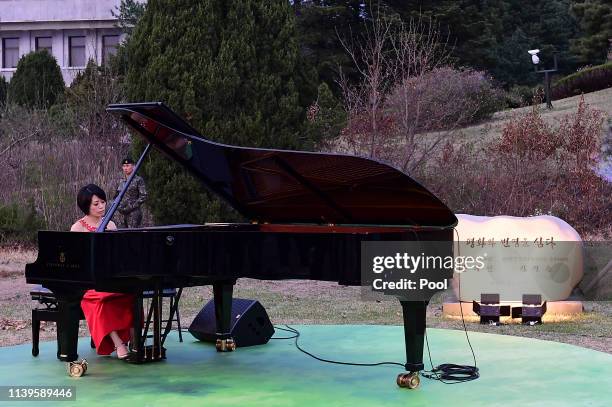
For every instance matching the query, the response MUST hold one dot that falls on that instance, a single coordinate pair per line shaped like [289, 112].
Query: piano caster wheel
[225, 345]
[408, 380]
[77, 369]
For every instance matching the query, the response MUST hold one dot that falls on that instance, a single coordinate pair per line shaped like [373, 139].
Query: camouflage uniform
[130, 214]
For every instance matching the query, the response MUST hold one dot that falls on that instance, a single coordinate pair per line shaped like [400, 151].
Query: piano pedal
[225, 345]
[408, 380]
[76, 368]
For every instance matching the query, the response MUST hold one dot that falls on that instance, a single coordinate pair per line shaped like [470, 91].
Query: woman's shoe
[123, 356]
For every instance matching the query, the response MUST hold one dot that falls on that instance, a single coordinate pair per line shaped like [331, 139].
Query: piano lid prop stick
[115, 205]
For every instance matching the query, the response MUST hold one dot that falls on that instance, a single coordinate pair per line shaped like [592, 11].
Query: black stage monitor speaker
[250, 323]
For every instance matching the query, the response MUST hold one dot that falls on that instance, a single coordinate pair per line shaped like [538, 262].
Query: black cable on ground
[450, 373]
[296, 335]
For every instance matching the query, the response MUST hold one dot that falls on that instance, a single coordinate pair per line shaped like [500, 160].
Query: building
[73, 31]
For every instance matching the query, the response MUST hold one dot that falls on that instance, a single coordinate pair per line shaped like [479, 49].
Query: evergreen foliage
[495, 34]
[94, 82]
[233, 69]
[37, 82]
[84, 80]
[3, 91]
[491, 35]
[513, 60]
[128, 13]
[19, 223]
[326, 116]
[595, 17]
[321, 25]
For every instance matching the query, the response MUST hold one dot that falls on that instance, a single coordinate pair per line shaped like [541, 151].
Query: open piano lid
[281, 186]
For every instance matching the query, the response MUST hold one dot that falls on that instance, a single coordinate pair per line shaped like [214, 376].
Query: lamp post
[547, 73]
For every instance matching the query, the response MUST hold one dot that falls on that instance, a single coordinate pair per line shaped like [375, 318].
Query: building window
[10, 52]
[44, 43]
[109, 47]
[77, 51]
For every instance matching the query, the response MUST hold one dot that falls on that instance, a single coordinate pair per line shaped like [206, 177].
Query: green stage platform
[514, 372]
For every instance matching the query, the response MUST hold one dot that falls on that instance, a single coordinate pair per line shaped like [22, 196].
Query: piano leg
[69, 315]
[223, 292]
[137, 343]
[414, 313]
[157, 342]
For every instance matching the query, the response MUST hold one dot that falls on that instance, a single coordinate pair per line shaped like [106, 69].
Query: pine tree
[128, 13]
[469, 26]
[480, 32]
[513, 62]
[233, 69]
[326, 116]
[37, 82]
[595, 18]
[322, 25]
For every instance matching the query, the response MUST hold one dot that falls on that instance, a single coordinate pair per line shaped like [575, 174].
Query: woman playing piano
[109, 315]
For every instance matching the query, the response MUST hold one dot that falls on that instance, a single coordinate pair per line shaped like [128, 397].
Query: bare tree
[47, 155]
[408, 101]
[373, 65]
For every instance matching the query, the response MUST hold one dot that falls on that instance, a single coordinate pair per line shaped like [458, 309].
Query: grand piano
[309, 214]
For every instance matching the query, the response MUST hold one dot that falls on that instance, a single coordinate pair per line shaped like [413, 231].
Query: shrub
[47, 158]
[519, 96]
[3, 91]
[584, 81]
[607, 140]
[37, 82]
[18, 224]
[554, 169]
[533, 168]
[446, 98]
[417, 115]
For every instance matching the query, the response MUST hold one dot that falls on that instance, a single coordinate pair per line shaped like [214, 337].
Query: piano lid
[281, 186]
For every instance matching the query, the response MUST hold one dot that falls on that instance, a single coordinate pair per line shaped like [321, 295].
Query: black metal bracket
[140, 352]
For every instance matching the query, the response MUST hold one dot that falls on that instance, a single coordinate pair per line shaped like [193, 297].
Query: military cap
[127, 160]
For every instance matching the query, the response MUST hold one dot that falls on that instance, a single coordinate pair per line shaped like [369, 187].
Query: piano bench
[175, 296]
[44, 297]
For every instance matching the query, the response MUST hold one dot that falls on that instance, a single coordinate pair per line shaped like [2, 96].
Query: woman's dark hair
[86, 194]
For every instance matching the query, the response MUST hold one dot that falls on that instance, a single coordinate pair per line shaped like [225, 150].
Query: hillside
[601, 100]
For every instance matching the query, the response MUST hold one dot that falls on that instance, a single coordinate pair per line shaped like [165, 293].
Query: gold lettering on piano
[65, 266]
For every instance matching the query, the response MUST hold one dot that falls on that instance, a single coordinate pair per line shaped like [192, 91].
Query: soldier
[130, 214]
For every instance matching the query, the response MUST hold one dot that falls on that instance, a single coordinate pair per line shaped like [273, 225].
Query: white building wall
[59, 19]
[56, 10]
[58, 44]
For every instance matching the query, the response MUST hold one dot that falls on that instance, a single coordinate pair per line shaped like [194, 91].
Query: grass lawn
[601, 100]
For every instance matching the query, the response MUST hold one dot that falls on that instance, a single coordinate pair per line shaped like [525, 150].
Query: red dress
[107, 312]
